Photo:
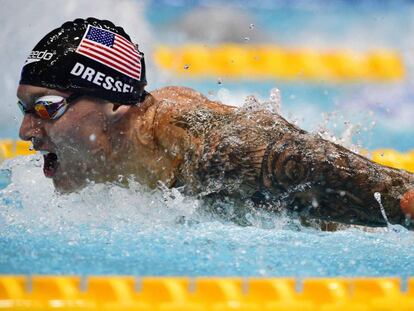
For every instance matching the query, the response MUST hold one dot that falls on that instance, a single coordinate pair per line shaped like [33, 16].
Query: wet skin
[128, 140]
[94, 140]
[179, 137]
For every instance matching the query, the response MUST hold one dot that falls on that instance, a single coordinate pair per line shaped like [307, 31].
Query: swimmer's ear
[117, 112]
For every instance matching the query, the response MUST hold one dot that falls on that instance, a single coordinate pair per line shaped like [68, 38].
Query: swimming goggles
[49, 107]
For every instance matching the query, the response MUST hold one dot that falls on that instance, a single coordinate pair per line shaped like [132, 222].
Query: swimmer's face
[76, 145]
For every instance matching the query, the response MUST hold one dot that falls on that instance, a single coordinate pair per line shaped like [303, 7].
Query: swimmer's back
[209, 140]
[179, 114]
[187, 98]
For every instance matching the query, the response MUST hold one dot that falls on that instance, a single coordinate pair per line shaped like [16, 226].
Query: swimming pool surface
[110, 230]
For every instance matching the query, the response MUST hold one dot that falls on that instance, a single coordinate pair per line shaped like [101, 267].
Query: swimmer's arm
[333, 183]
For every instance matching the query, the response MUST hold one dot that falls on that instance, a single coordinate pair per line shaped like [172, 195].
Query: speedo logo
[36, 56]
[100, 79]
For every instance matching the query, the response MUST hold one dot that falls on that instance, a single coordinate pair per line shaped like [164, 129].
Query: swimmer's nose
[31, 127]
[407, 203]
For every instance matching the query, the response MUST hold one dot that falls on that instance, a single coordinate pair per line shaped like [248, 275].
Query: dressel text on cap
[100, 79]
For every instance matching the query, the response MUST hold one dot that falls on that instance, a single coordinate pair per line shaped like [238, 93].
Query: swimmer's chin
[68, 185]
[65, 183]
[70, 177]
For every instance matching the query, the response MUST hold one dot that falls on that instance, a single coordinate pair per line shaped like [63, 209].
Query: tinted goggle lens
[48, 107]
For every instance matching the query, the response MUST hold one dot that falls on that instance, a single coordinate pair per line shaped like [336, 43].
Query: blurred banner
[260, 62]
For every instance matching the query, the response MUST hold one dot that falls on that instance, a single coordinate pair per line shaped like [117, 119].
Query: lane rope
[176, 293]
[260, 62]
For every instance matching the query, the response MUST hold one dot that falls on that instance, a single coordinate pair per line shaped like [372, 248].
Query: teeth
[44, 152]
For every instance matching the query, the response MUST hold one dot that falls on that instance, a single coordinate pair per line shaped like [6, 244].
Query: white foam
[341, 126]
[30, 200]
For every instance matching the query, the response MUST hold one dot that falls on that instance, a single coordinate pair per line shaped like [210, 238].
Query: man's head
[90, 56]
[75, 87]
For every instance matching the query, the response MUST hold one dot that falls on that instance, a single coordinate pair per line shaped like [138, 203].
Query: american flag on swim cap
[112, 50]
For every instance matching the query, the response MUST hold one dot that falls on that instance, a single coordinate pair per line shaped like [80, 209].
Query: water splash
[101, 205]
[275, 101]
[96, 205]
[108, 229]
[272, 104]
[337, 128]
[377, 197]
[390, 227]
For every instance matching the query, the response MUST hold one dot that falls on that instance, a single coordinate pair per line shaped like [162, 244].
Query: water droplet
[92, 137]
[377, 197]
[186, 67]
[275, 100]
[251, 26]
[219, 81]
[246, 39]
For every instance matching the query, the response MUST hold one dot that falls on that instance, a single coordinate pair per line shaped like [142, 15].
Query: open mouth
[51, 164]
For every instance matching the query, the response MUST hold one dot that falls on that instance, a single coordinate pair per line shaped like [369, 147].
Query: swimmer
[85, 108]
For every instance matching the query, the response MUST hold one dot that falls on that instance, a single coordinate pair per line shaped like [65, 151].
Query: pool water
[107, 229]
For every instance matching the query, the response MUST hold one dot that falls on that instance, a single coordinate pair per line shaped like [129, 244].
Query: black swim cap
[88, 56]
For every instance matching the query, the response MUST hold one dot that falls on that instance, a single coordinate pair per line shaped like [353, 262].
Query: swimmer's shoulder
[177, 111]
[187, 99]
[177, 92]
